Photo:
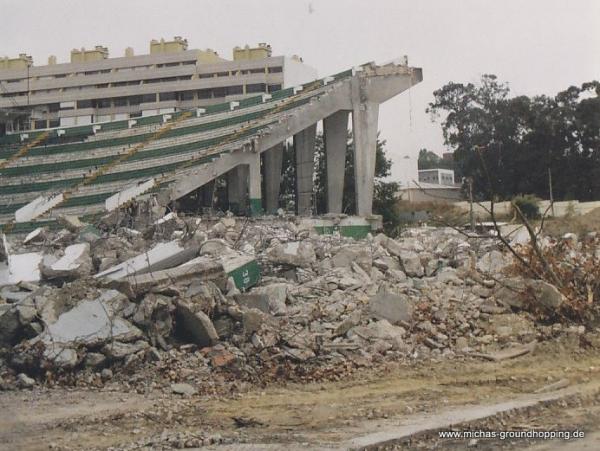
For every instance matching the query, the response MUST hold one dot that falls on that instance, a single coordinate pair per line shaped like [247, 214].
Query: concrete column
[273, 161]
[335, 128]
[237, 182]
[254, 185]
[304, 144]
[364, 130]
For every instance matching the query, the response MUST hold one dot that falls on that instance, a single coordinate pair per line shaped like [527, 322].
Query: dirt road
[314, 416]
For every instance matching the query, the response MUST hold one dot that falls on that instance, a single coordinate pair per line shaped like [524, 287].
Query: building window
[102, 103]
[219, 92]
[148, 98]
[135, 100]
[53, 123]
[120, 101]
[257, 71]
[275, 70]
[186, 95]
[205, 93]
[84, 104]
[273, 88]
[206, 75]
[222, 74]
[234, 90]
[40, 124]
[166, 96]
[259, 87]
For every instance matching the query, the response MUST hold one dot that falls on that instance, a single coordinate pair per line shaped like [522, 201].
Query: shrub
[529, 205]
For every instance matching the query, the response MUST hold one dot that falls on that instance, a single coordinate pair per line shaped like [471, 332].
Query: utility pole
[551, 191]
[471, 215]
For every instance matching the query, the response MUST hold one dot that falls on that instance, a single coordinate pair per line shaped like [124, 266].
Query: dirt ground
[314, 416]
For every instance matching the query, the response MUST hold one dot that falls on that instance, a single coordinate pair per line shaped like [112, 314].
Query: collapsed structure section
[104, 166]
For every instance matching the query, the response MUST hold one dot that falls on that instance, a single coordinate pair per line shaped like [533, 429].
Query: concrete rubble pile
[187, 302]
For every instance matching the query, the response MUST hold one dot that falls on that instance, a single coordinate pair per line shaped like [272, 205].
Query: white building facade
[95, 88]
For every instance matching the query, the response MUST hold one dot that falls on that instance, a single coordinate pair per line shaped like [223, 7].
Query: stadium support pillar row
[364, 129]
[237, 182]
[335, 128]
[255, 185]
[273, 162]
[304, 144]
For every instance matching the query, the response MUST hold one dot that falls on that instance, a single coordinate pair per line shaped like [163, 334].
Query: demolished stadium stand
[89, 170]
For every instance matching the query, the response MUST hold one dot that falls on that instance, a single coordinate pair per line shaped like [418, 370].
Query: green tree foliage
[430, 160]
[384, 192]
[529, 206]
[517, 140]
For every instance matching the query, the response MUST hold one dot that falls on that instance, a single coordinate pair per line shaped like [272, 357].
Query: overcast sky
[539, 46]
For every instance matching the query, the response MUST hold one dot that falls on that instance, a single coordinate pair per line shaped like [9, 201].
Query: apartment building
[93, 87]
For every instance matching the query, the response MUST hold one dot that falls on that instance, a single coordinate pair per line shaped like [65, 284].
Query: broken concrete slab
[196, 324]
[276, 294]
[35, 236]
[390, 245]
[252, 320]
[162, 256]
[76, 262]
[411, 264]
[294, 253]
[252, 300]
[547, 294]
[117, 350]
[61, 356]
[393, 307]
[37, 207]
[346, 256]
[243, 269]
[91, 322]
[24, 267]
[199, 268]
[493, 262]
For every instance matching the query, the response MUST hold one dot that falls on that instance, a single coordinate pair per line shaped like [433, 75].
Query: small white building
[430, 192]
[437, 176]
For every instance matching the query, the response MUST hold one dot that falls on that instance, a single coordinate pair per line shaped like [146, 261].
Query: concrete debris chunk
[76, 262]
[393, 307]
[294, 253]
[37, 235]
[276, 294]
[196, 325]
[183, 389]
[200, 268]
[411, 263]
[547, 295]
[161, 256]
[91, 322]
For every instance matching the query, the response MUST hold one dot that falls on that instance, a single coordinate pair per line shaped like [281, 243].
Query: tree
[430, 160]
[519, 140]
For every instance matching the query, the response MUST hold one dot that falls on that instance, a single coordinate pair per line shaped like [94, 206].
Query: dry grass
[580, 225]
[441, 213]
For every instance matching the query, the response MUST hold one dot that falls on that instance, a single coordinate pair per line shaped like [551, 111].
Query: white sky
[539, 46]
